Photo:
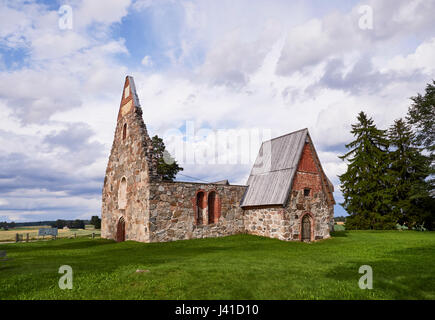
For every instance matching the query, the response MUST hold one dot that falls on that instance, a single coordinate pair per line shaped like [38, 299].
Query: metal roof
[272, 174]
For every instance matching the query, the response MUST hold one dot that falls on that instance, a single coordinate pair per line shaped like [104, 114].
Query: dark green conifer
[366, 184]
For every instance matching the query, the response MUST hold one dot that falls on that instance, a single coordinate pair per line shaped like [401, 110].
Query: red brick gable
[306, 163]
[307, 174]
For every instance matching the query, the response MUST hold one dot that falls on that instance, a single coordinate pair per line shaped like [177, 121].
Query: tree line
[77, 224]
[390, 173]
[7, 225]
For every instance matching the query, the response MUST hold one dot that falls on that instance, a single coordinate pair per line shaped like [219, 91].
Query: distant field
[339, 227]
[9, 235]
[235, 267]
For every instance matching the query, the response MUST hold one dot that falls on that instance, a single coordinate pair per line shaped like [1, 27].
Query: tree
[167, 166]
[421, 115]
[365, 185]
[78, 224]
[340, 219]
[59, 224]
[408, 170]
[96, 222]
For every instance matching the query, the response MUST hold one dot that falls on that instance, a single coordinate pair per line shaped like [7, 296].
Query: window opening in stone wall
[199, 207]
[124, 132]
[307, 192]
[122, 196]
[212, 208]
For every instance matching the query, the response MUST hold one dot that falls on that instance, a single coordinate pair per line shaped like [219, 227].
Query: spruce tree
[408, 170]
[421, 115]
[366, 184]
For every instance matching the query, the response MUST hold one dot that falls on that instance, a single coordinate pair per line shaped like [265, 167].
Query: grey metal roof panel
[269, 188]
[272, 174]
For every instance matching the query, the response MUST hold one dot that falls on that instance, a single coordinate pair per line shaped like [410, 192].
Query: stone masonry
[285, 223]
[138, 205]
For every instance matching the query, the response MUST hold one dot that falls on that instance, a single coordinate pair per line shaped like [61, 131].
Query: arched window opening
[213, 208]
[124, 132]
[200, 207]
[122, 194]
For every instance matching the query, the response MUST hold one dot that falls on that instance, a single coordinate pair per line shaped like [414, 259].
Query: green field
[235, 267]
[338, 227]
[10, 235]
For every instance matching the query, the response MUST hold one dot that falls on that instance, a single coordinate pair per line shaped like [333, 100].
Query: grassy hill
[235, 267]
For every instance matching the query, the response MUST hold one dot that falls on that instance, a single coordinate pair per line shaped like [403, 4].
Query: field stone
[149, 220]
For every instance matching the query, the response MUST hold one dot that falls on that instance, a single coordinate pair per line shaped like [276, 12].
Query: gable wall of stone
[130, 158]
[284, 223]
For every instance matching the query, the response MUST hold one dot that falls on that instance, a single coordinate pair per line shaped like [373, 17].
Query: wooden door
[306, 228]
[120, 230]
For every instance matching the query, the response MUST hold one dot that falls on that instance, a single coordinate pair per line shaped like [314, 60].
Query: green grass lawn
[235, 267]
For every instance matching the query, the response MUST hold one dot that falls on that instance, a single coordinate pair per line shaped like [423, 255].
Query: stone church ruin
[287, 195]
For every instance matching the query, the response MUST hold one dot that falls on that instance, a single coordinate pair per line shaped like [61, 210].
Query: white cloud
[106, 12]
[147, 61]
[422, 60]
[274, 67]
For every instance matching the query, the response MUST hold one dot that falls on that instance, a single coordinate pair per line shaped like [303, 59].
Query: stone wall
[284, 223]
[173, 208]
[130, 158]
[267, 222]
[317, 207]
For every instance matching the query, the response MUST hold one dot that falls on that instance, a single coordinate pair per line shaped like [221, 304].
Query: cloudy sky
[212, 66]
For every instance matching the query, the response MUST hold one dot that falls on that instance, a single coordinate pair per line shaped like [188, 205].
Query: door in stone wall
[306, 228]
[120, 230]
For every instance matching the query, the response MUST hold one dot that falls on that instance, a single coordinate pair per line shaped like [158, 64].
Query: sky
[208, 70]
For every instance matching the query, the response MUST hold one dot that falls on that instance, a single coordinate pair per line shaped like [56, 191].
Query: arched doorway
[200, 196]
[212, 207]
[120, 230]
[306, 228]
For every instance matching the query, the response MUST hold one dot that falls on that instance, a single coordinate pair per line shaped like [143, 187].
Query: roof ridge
[287, 134]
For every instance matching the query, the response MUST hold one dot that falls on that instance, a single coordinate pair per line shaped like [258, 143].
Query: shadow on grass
[404, 274]
[337, 234]
[54, 245]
